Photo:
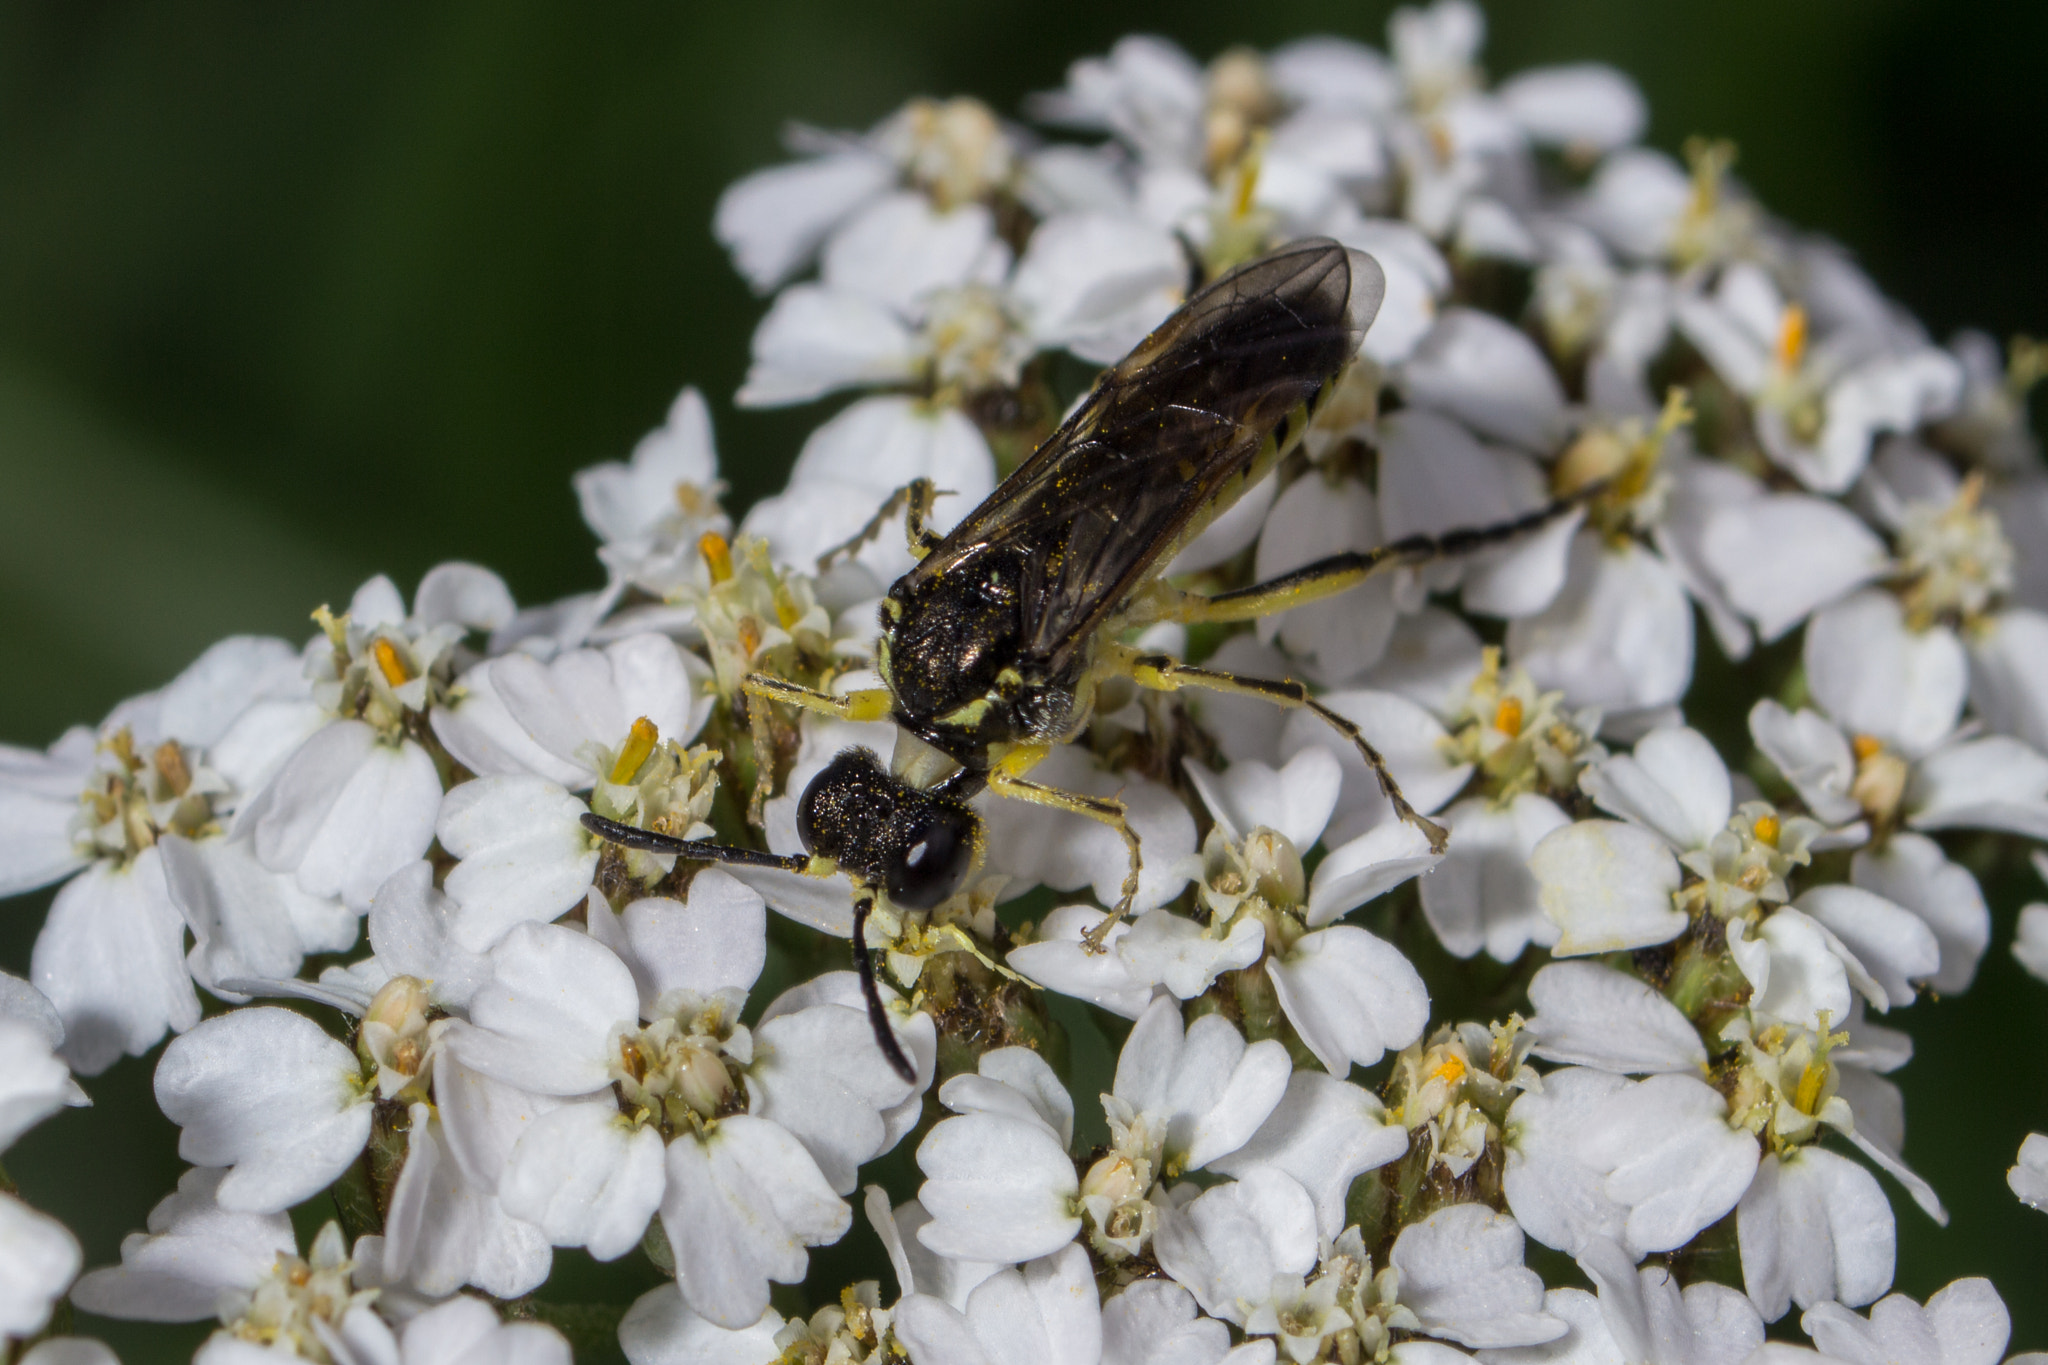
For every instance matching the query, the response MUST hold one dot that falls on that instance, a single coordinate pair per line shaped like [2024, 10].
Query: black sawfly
[994, 644]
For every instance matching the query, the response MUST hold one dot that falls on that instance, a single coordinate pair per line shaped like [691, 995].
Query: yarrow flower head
[1249, 852]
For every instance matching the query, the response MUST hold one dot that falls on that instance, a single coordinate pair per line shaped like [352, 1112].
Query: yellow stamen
[1248, 177]
[1507, 717]
[750, 636]
[1450, 1071]
[172, 768]
[1791, 337]
[717, 555]
[786, 611]
[1866, 747]
[639, 744]
[1766, 829]
[389, 663]
[1811, 1079]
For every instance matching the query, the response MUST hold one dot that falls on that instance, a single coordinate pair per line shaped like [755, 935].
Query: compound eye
[935, 860]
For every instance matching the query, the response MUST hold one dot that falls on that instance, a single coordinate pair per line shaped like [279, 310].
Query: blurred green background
[291, 294]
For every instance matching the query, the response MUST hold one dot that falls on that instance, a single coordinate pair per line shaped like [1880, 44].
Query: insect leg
[1334, 573]
[867, 703]
[878, 1015]
[1164, 673]
[918, 494]
[1105, 809]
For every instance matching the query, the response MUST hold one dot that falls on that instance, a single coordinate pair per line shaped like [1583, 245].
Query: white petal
[1351, 996]
[2008, 663]
[774, 220]
[1876, 677]
[265, 1091]
[2030, 944]
[1813, 755]
[818, 1072]
[1889, 941]
[1065, 851]
[1155, 1322]
[592, 697]
[1060, 962]
[1097, 283]
[1992, 783]
[480, 731]
[1295, 800]
[1887, 393]
[1780, 557]
[1490, 375]
[998, 1190]
[1462, 1274]
[1483, 894]
[742, 1205]
[660, 1329]
[346, 811]
[545, 1018]
[1183, 956]
[1588, 1014]
[1325, 1133]
[936, 1333]
[441, 1233]
[629, 501]
[1228, 1244]
[36, 847]
[1674, 783]
[412, 931]
[110, 958]
[1044, 1313]
[1408, 737]
[1619, 634]
[1366, 868]
[716, 941]
[1646, 1163]
[38, 1258]
[1206, 1088]
[1814, 1227]
[1314, 517]
[900, 248]
[815, 340]
[1583, 108]
[248, 920]
[1607, 886]
[2029, 1174]
[1795, 971]
[585, 1176]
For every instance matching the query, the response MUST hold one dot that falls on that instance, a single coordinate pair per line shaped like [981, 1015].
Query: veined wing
[1163, 434]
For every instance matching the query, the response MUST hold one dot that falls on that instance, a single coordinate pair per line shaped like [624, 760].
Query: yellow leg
[867, 703]
[918, 495]
[1007, 779]
[1163, 673]
[1335, 573]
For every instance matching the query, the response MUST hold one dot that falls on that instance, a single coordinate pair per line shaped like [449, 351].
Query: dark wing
[1162, 434]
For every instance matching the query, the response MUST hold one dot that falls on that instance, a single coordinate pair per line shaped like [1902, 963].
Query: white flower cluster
[554, 1041]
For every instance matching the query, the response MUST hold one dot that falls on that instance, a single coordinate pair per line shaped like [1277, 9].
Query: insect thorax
[956, 656]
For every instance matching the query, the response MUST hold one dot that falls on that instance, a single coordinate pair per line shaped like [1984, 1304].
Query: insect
[994, 644]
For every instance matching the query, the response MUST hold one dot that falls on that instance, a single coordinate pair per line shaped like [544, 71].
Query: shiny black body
[1010, 604]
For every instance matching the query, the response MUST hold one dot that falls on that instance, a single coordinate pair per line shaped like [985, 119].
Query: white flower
[1463, 1278]
[1812, 1227]
[775, 220]
[660, 1329]
[1228, 1245]
[651, 512]
[710, 1118]
[1043, 1313]
[1963, 1324]
[447, 1225]
[998, 1182]
[1607, 885]
[267, 1093]
[1647, 1164]
[1155, 1322]
[1325, 1133]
